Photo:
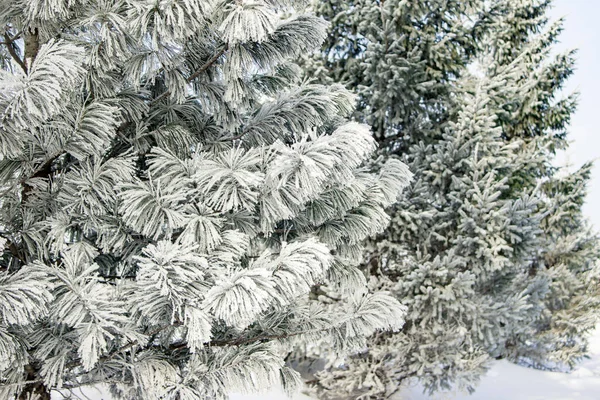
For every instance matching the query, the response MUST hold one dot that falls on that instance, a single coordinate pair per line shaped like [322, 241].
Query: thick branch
[216, 343]
[34, 389]
[17, 36]
[32, 44]
[242, 340]
[236, 137]
[10, 45]
[125, 346]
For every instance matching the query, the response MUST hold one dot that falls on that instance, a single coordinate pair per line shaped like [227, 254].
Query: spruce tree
[535, 117]
[399, 57]
[174, 197]
[488, 248]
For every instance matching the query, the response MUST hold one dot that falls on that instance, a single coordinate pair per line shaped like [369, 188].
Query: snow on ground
[504, 381]
[273, 395]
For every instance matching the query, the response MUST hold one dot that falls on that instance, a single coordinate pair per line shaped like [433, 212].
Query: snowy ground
[504, 381]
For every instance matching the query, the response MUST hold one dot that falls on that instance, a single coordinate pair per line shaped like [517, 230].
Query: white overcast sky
[582, 31]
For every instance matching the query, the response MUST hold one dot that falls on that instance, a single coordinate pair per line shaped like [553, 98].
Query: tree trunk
[32, 45]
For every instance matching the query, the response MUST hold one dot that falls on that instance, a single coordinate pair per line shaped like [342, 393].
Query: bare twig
[208, 63]
[11, 40]
[236, 137]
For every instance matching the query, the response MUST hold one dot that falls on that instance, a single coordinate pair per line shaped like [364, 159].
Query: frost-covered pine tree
[174, 197]
[479, 249]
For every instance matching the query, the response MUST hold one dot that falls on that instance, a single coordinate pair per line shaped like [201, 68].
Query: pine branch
[199, 71]
[215, 343]
[208, 63]
[125, 347]
[41, 171]
[243, 340]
